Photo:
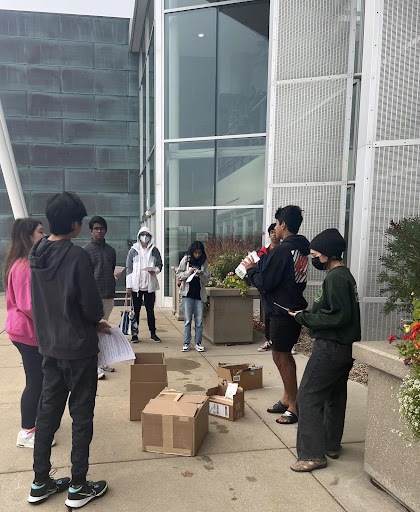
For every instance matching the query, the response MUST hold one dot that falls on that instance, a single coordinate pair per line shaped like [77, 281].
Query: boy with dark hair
[104, 260]
[67, 310]
[283, 280]
[263, 255]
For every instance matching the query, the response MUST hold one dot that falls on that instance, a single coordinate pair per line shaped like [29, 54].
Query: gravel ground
[359, 372]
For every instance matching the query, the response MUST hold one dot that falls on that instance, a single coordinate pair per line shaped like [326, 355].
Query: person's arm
[87, 292]
[114, 259]
[129, 271]
[182, 273]
[271, 276]
[336, 315]
[158, 258]
[22, 290]
[205, 275]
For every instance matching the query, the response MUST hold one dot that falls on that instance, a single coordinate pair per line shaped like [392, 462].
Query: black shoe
[42, 492]
[81, 496]
[155, 338]
[135, 338]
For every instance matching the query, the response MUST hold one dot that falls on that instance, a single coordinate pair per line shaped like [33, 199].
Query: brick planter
[388, 459]
[229, 318]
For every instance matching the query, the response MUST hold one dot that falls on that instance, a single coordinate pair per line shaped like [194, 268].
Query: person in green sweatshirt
[334, 322]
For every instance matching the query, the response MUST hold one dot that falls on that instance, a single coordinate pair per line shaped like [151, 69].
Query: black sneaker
[135, 338]
[42, 492]
[155, 338]
[81, 496]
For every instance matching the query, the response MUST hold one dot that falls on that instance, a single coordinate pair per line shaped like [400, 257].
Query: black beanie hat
[329, 243]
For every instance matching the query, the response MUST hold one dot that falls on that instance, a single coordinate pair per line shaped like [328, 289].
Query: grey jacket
[183, 273]
[104, 259]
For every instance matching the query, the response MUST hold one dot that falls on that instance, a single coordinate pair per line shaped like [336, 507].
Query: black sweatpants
[149, 302]
[61, 377]
[32, 364]
[322, 398]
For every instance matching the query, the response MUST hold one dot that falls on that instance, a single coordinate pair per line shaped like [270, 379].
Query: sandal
[333, 454]
[304, 466]
[278, 408]
[290, 418]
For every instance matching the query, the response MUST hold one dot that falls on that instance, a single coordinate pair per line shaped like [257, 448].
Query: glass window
[143, 116]
[183, 227]
[189, 174]
[240, 171]
[175, 4]
[242, 68]
[152, 93]
[152, 179]
[190, 74]
[144, 182]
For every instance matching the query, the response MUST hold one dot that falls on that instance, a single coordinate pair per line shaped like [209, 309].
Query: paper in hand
[118, 270]
[114, 347]
[191, 277]
[147, 269]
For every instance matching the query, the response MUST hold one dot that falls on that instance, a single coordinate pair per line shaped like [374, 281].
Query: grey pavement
[240, 466]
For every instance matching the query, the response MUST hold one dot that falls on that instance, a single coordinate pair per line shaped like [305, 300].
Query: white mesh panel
[309, 131]
[398, 104]
[313, 38]
[377, 326]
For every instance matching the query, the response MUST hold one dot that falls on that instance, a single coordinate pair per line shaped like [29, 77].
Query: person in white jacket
[143, 264]
[193, 274]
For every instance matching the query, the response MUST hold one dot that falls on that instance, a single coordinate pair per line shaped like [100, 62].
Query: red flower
[406, 337]
[391, 339]
[413, 336]
[417, 345]
[416, 327]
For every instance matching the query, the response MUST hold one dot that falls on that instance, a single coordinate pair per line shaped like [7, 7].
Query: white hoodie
[137, 259]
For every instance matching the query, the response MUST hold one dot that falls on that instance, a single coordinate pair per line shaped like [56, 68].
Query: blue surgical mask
[145, 238]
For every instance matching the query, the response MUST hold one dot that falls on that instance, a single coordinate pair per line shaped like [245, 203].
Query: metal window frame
[204, 6]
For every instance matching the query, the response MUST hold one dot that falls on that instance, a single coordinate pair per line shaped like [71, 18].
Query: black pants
[267, 327]
[149, 302]
[61, 377]
[322, 399]
[32, 364]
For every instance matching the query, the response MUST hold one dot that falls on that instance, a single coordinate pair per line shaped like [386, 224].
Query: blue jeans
[196, 307]
[322, 398]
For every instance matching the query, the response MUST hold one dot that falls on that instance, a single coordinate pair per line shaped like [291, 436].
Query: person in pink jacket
[19, 323]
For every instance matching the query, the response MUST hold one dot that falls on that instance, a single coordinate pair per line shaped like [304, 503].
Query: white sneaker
[293, 351]
[186, 347]
[265, 346]
[199, 347]
[26, 439]
[101, 373]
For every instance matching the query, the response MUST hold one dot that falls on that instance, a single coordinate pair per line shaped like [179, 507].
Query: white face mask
[145, 238]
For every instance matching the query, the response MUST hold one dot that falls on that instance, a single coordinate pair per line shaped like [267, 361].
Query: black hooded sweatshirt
[66, 304]
[283, 278]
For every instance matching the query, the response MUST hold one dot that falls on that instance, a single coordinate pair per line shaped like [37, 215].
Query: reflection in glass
[242, 68]
[143, 116]
[190, 71]
[144, 181]
[152, 179]
[183, 227]
[189, 174]
[151, 60]
[240, 171]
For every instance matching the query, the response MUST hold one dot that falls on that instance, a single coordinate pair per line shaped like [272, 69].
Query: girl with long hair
[19, 323]
[193, 273]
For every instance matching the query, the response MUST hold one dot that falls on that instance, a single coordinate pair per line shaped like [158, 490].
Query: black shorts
[284, 333]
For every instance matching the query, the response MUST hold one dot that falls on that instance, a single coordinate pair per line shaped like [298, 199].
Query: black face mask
[318, 264]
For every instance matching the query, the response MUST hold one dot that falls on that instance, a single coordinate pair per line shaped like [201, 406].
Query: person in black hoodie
[67, 309]
[283, 281]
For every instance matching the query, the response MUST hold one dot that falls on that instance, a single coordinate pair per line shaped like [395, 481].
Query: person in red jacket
[19, 322]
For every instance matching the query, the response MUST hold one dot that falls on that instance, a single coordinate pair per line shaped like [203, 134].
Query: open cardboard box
[246, 375]
[148, 378]
[229, 408]
[175, 423]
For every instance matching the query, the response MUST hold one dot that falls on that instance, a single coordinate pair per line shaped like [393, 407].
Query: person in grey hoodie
[67, 310]
[143, 264]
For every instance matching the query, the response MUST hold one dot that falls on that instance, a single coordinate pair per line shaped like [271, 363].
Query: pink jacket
[19, 322]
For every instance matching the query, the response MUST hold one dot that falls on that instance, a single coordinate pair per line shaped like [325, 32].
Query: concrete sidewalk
[240, 466]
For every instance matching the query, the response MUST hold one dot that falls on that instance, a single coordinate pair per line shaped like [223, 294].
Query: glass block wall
[69, 89]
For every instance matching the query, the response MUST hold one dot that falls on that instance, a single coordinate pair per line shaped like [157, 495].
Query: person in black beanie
[334, 322]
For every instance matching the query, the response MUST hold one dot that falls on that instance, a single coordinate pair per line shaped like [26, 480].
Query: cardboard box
[228, 408]
[148, 378]
[246, 375]
[175, 423]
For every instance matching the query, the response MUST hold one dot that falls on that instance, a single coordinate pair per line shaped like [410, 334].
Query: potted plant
[229, 316]
[392, 449]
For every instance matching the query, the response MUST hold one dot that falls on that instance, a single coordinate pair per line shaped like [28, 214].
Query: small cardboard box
[175, 423]
[148, 378]
[247, 376]
[229, 408]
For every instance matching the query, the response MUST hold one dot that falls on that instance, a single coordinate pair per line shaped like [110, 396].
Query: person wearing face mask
[334, 322]
[143, 264]
[19, 322]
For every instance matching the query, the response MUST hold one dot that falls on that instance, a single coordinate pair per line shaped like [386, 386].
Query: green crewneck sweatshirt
[335, 314]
